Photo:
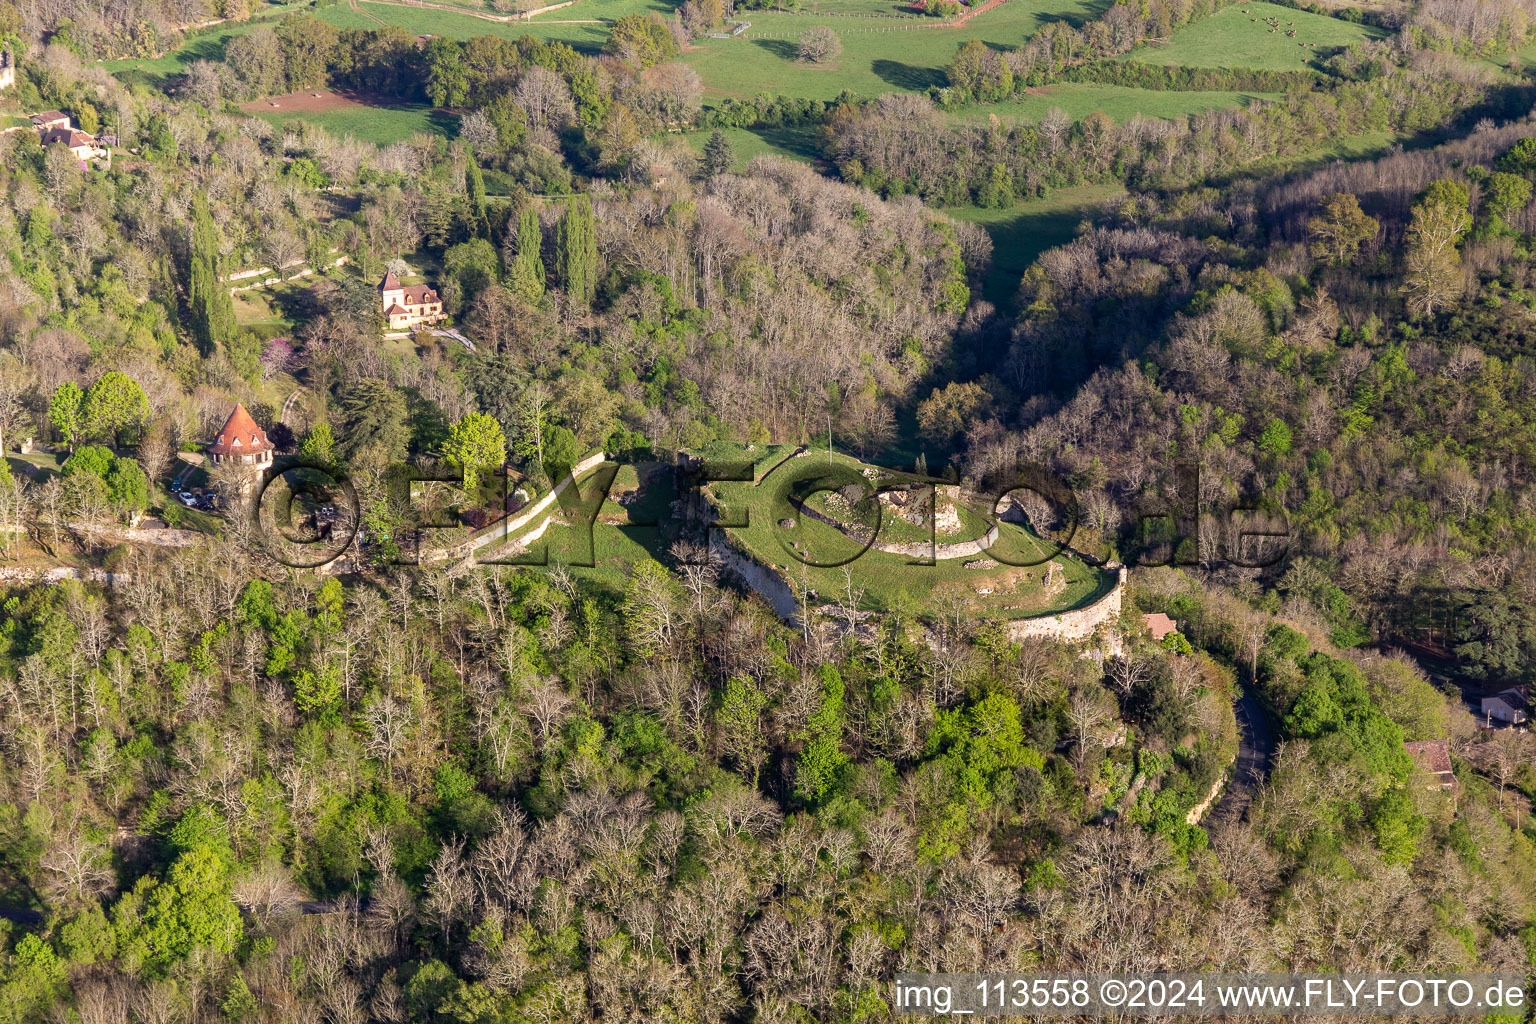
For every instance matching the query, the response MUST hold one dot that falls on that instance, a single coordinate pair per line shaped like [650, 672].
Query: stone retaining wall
[63, 572]
[504, 527]
[1077, 624]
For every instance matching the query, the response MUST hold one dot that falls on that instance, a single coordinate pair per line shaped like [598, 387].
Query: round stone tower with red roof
[241, 442]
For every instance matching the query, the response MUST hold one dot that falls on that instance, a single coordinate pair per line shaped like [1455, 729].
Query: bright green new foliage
[190, 910]
[64, 412]
[474, 444]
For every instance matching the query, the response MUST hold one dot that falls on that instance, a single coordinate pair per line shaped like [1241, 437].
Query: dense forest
[233, 790]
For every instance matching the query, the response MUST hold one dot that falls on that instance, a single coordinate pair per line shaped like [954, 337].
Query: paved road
[1255, 756]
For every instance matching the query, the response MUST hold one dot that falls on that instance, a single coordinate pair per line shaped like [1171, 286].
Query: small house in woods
[1509, 707]
[240, 442]
[7, 69]
[405, 306]
[54, 129]
[1434, 756]
[82, 145]
[1159, 625]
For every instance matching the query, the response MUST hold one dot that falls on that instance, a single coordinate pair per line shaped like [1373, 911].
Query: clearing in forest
[1262, 36]
[885, 49]
[985, 585]
[357, 115]
[639, 520]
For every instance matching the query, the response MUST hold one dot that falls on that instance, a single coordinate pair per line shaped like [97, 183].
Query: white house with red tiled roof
[82, 144]
[55, 129]
[405, 306]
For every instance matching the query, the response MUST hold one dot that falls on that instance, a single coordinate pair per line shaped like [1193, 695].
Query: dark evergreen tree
[718, 157]
[476, 184]
[212, 310]
[576, 252]
[527, 270]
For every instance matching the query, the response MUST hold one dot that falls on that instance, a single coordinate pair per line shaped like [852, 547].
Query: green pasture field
[880, 54]
[1020, 233]
[1119, 102]
[846, 9]
[582, 27]
[1238, 37]
[607, 10]
[377, 124]
[796, 143]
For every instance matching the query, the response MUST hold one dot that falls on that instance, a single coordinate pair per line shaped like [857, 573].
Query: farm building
[1510, 707]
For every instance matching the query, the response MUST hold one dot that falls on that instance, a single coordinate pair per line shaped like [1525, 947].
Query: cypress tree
[528, 267]
[213, 311]
[476, 183]
[576, 252]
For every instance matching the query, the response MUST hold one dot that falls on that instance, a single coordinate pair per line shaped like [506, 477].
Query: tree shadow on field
[444, 123]
[780, 48]
[1091, 10]
[801, 141]
[909, 76]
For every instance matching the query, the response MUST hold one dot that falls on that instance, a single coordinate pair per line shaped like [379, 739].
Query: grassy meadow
[377, 124]
[1020, 233]
[584, 26]
[796, 143]
[1119, 102]
[881, 54]
[891, 581]
[640, 527]
[1239, 36]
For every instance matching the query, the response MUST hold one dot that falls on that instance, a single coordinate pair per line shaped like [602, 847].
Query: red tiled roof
[1159, 625]
[1432, 755]
[50, 115]
[240, 435]
[69, 136]
[417, 294]
[395, 309]
[390, 283]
